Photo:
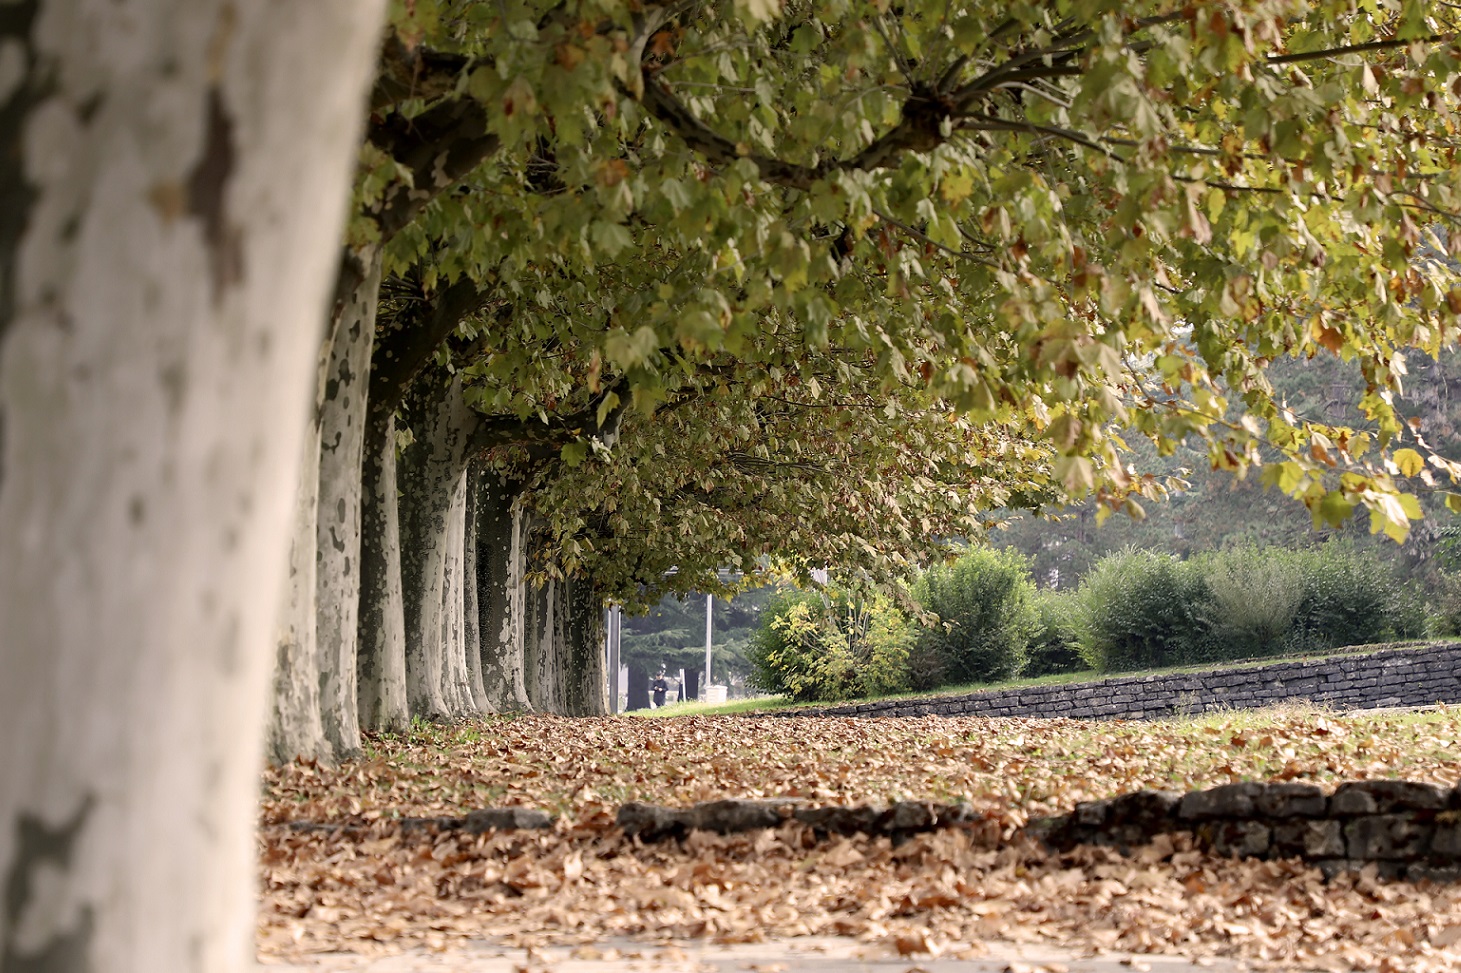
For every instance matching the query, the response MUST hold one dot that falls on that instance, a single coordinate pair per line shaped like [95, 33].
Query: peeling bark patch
[36, 845]
[32, 84]
[208, 196]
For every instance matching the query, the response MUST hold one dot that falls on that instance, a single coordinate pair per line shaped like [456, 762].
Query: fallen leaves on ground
[374, 888]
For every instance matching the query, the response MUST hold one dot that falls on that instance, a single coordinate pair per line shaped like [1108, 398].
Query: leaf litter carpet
[372, 888]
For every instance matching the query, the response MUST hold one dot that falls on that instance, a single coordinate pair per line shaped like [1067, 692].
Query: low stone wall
[1410, 676]
[1403, 828]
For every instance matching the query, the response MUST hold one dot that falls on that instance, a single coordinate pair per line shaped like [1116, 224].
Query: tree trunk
[539, 669]
[381, 663]
[431, 472]
[312, 718]
[295, 727]
[342, 440]
[638, 686]
[173, 175]
[502, 594]
[585, 681]
[472, 617]
[458, 668]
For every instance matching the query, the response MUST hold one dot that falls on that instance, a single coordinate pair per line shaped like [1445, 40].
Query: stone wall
[1404, 829]
[1410, 676]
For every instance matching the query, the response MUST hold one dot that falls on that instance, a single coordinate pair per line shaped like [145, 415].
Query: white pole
[709, 603]
[618, 629]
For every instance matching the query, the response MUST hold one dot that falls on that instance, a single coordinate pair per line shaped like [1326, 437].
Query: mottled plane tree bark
[174, 176]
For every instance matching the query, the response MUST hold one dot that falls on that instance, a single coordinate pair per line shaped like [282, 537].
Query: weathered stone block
[1385, 796]
[1433, 873]
[650, 821]
[839, 820]
[1290, 800]
[507, 819]
[1446, 842]
[1308, 839]
[1226, 801]
[1244, 839]
[1150, 811]
[1387, 836]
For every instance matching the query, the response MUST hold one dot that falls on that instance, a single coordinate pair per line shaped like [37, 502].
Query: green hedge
[1142, 610]
[986, 616]
[1056, 645]
[1139, 610]
[985, 622]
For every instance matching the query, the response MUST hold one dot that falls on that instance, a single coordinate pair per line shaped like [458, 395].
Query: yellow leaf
[1408, 461]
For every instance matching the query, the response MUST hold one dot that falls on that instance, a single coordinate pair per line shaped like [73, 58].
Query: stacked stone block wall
[1411, 676]
[1404, 829]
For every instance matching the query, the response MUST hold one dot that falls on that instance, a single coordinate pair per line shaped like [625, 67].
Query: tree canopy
[1038, 221]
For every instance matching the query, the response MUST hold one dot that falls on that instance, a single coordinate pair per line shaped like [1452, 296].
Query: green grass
[770, 703]
[700, 708]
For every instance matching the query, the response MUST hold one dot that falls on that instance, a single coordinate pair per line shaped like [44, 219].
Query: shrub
[1253, 600]
[1139, 610]
[1055, 646]
[815, 646]
[984, 602]
[1350, 598]
[1444, 605]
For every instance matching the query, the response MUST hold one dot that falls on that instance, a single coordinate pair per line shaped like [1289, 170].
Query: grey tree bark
[585, 683]
[543, 665]
[295, 726]
[502, 593]
[431, 479]
[472, 612]
[458, 669]
[173, 176]
[342, 421]
[381, 660]
[314, 710]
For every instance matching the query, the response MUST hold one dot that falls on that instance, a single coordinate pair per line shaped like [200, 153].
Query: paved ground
[795, 956]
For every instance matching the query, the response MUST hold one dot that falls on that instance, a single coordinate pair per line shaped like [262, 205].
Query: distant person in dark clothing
[659, 687]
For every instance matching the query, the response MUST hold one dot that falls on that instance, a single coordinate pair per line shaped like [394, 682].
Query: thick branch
[544, 439]
[920, 129]
[407, 73]
[439, 147]
[717, 149]
[1359, 48]
[401, 353]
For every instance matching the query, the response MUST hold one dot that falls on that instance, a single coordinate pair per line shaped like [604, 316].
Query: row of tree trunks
[315, 712]
[409, 593]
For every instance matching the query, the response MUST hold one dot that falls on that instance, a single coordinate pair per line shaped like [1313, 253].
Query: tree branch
[1358, 49]
[439, 147]
[407, 73]
[401, 353]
